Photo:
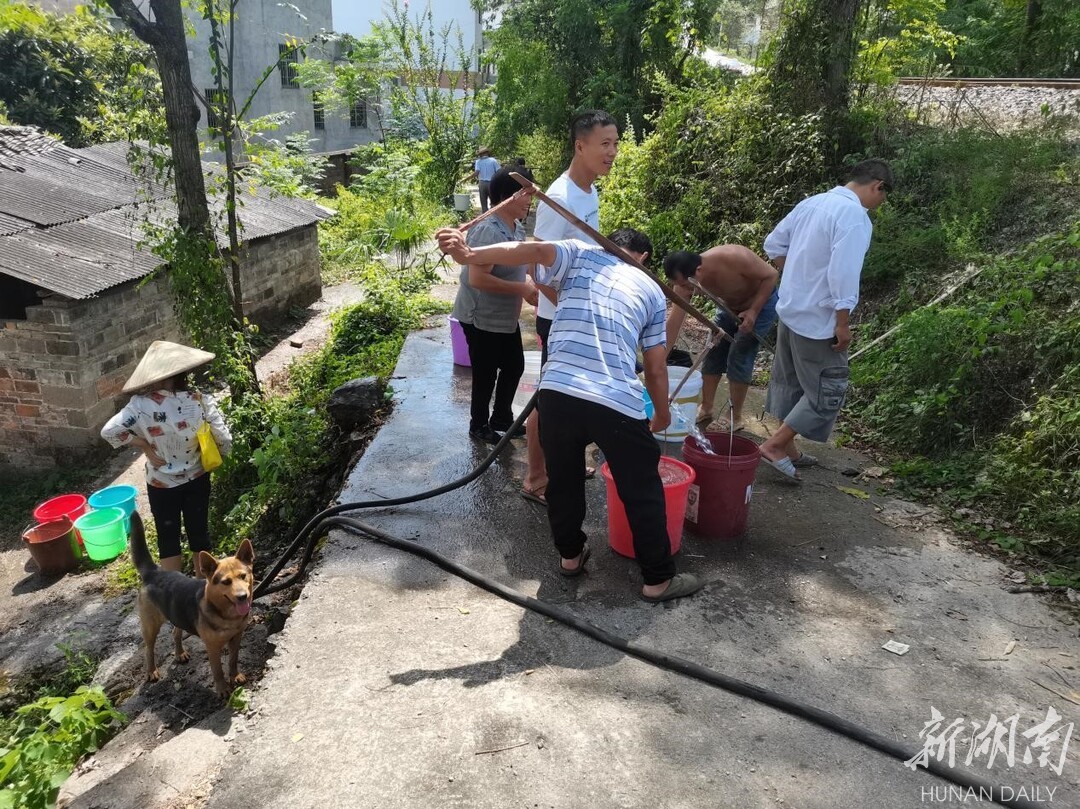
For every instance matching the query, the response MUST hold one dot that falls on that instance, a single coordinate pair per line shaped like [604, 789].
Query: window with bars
[320, 114]
[215, 105]
[358, 114]
[288, 58]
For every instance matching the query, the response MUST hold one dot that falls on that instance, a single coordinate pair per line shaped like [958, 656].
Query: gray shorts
[807, 385]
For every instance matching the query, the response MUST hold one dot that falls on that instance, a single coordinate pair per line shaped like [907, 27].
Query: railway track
[1054, 84]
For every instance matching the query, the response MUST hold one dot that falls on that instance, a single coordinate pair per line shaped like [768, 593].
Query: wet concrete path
[398, 685]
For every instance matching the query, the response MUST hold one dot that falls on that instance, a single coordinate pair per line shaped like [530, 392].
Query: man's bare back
[734, 274]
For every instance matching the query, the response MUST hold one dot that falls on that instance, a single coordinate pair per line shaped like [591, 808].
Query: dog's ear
[206, 564]
[246, 553]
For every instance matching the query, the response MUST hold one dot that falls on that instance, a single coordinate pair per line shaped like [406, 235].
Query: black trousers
[567, 426]
[485, 194]
[190, 500]
[498, 361]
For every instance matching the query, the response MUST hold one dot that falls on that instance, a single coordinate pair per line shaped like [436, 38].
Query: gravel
[1004, 107]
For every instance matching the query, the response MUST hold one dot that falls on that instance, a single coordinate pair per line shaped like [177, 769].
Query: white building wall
[261, 26]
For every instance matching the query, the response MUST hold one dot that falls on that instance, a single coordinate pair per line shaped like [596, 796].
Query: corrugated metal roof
[72, 220]
[13, 224]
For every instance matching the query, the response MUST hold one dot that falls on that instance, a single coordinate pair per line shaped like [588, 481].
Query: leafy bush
[721, 166]
[992, 381]
[286, 447]
[544, 154]
[384, 211]
[46, 740]
[952, 198]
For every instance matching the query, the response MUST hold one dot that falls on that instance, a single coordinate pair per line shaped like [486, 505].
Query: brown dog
[217, 608]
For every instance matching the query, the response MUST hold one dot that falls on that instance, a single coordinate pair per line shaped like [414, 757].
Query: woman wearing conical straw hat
[161, 420]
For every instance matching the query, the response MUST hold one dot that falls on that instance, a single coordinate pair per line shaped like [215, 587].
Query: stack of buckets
[70, 526]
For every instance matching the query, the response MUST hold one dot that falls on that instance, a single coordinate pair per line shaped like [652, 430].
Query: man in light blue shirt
[820, 247]
[589, 392]
[483, 170]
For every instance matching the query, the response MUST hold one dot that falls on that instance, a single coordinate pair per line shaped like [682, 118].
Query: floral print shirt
[167, 420]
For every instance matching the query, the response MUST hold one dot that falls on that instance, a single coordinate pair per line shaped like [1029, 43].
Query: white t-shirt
[550, 227]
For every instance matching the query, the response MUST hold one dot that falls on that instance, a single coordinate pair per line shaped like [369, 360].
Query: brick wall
[61, 369]
[281, 272]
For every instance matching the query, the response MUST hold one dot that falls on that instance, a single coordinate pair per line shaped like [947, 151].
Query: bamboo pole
[972, 273]
[614, 249]
[472, 222]
[709, 343]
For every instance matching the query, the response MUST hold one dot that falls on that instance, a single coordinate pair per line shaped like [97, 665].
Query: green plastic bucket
[103, 533]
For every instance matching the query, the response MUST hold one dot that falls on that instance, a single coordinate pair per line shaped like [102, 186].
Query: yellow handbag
[208, 448]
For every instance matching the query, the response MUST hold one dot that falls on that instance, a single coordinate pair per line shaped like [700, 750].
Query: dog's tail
[140, 554]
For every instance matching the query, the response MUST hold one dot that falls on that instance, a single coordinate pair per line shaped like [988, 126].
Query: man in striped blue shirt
[590, 393]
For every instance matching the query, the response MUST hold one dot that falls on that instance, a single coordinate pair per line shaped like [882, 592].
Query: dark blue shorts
[737, 359]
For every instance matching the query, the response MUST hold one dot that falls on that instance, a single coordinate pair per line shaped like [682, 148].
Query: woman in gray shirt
[488, 305]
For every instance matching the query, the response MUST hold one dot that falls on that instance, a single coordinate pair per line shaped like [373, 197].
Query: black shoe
[485, 433]
[518, 433]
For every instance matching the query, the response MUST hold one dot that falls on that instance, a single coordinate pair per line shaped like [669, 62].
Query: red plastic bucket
[677, 478]
[718, 504]
[71, 506]
[50, 545]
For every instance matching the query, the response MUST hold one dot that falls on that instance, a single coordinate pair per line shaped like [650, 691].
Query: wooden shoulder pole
[614, 249]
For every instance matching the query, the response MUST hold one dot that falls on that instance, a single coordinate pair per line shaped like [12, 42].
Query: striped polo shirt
[606, 310]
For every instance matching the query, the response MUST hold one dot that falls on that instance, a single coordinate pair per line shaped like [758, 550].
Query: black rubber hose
[687, 668]
[267, 585]
[331, 516]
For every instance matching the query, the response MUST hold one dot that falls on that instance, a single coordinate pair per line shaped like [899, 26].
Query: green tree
[74, 76]
[813, 56]
[1015, 37]
[564, 55]
[438, 94]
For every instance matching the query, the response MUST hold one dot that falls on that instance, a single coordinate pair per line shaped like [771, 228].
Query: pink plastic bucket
[459, 344]
[677, 478]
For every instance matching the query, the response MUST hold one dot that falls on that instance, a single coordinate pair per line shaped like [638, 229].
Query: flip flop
[725, 427]
[533, 497]
[703, 418]
[590, 472]
[784, 466]
[682, 584]
[805, 461]
[577, 571]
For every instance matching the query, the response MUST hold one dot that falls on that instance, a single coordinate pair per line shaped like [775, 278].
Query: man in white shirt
[820, 247]
[595, 138]
[484, 169]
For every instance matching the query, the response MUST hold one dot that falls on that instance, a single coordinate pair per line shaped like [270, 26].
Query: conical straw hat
[163, 360]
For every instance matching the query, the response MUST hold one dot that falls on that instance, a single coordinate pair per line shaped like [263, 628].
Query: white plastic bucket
[686, 402]
[530, 379]
[462, 202]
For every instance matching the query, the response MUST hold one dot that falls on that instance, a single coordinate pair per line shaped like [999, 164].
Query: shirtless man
[747, 284]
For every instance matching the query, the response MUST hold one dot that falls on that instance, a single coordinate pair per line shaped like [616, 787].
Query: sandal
[703, 418]
[725, 426]
[573, 573]
[681, 584]
[590, 472]
[784, 466]
[804, 461]
[534, 497]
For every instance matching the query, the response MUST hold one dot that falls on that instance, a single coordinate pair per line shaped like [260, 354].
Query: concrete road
[398, 685]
